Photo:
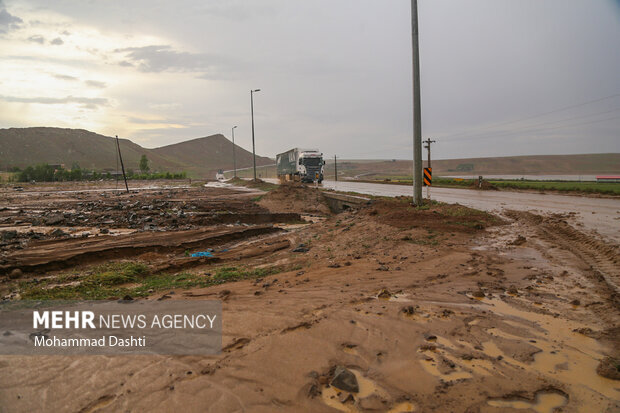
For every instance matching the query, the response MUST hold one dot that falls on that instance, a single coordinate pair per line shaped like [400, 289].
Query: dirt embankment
[388, 308]
[295, 197]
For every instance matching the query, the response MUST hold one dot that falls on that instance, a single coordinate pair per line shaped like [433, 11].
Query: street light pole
[417, 114]
[253, 144]
[234, 158]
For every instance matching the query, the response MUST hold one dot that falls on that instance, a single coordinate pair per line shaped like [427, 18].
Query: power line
[533, 116]
[548, 129]
[495, 134]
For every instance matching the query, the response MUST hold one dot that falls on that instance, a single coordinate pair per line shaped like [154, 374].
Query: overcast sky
[334, 74]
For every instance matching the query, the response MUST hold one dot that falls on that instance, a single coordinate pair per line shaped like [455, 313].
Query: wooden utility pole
[335, 169]
[428, 148]
[417, 113]
[118, 146]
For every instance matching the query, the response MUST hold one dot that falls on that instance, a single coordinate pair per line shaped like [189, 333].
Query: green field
[561, 186]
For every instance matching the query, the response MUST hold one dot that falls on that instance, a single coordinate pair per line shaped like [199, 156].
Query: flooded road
[596, 214]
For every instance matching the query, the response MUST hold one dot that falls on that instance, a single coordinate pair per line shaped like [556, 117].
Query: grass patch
[606, 188]
[110, 282]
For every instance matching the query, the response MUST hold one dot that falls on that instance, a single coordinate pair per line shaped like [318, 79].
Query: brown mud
[438, 309]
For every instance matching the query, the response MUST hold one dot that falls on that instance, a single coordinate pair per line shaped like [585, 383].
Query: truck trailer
[305, 165]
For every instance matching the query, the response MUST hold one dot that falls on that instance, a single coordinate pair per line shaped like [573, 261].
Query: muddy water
[599, 214]
[564, 355]
[544, 403]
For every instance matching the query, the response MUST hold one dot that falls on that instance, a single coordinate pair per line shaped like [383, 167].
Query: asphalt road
[599, 214]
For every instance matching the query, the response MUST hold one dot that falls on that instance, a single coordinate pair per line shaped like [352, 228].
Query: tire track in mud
[601, 257]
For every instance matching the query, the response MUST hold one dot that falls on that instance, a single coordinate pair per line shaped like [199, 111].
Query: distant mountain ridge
[200, 157]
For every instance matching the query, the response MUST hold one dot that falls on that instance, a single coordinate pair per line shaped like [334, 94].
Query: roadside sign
[428, 176]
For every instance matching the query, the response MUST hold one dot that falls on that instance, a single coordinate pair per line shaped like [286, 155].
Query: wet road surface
[599, 214]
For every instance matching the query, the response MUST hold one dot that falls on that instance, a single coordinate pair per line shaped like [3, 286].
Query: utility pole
[335, 169]
[417, 113]
[428, 148]
[253, 145]
[118, 146]
[234, 158]
[116, 172]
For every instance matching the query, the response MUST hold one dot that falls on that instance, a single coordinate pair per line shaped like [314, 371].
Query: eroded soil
[432, 309]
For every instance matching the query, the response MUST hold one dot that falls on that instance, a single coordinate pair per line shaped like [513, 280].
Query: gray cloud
[37, 39]
[7, 20]
[65, 77]
[87, 103]
[95, 83]
[162, 58]
[142, 121]
[57, 41]
[339, 72]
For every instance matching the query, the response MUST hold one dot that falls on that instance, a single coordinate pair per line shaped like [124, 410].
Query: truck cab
[305, 165]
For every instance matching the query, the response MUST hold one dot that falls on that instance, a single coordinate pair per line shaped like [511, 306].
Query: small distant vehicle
[305, 165]
[220, 175]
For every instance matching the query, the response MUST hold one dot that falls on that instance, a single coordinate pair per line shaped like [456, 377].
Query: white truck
[305, 165]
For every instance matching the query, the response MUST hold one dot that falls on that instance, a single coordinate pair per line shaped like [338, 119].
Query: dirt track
[442, 309]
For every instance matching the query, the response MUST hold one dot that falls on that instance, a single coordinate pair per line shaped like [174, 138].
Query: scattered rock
[54, 219]
[301, 248]
[513, 290]
[9, 235]
[313, 391]
[16, 273]
[346, 397]
[409, 310]
[478, 294]
[384, 293]
[345, 380]
[334, 265]
[575, 302]
[430, 337]
[520, 240]
[609, 367]
[58, 233]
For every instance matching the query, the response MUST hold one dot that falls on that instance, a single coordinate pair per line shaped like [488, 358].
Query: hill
[587, 164]
[209, 153]
[202, 157]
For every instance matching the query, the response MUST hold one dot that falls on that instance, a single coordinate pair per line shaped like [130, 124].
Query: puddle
[543, 403]
[566, 356]
[402, 408]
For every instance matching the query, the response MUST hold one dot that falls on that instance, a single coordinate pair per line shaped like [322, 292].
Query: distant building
[608, 178]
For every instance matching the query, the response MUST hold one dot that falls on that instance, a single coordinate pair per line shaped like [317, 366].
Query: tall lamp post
[253, 145]
[234, 158]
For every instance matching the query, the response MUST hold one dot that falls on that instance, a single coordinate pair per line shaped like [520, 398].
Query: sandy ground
[439, 310]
